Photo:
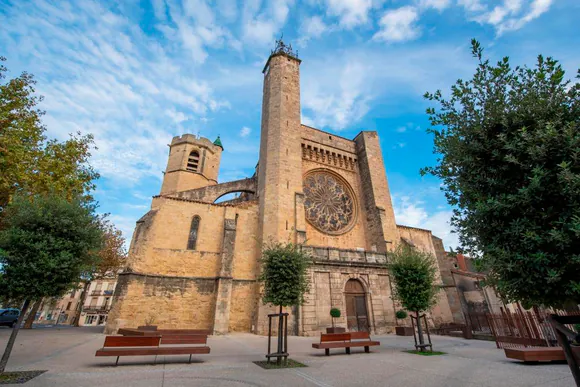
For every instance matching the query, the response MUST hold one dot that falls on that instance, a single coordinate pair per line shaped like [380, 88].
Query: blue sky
[135, 73]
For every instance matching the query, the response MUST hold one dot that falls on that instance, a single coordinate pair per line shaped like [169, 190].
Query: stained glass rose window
[328, 202]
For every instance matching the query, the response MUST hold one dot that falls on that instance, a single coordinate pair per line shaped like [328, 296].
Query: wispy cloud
[399, 25]
[245, 131]
[413, 212]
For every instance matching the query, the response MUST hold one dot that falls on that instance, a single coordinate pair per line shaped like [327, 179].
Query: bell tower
[280, 165]
[193, 163]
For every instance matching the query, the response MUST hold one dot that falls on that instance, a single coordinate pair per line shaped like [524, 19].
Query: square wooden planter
[404, 331]
[336, 330]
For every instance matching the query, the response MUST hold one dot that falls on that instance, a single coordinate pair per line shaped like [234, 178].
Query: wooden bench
[160, 332]
[152, 346]
[535, 354]
[345, 340]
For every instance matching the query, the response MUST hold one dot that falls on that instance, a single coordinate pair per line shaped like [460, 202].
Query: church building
[194, 260]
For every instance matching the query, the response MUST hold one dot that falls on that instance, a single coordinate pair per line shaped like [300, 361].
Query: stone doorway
[356, 306]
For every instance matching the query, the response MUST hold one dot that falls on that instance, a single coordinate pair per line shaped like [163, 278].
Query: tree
[46, 244]
[112, 257]
[285, 278]
[413, 273]
[284, 274]
[29, 162]
[508, 142]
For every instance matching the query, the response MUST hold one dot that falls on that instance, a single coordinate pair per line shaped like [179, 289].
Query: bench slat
[347, 344]
[132, 341]
[360, 336]
[183, 339]
[326, 337]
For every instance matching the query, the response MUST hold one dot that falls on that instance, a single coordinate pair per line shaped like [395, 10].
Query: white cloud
[311, 28]
[472, 5]
[338, 93]
[398, 25]
[347, 102]
[511, 15]
[402, 129]
[261, 25]
[351, 13]
[245, 131]
[439, 5]
[413, 213]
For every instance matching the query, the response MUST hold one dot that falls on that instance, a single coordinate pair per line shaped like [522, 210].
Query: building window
[193, 161]
[192, 241]
[93, 302]
[89, 320]
[68, 306]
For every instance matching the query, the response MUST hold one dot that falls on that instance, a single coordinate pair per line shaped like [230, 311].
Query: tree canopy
[46, 244]
[508, 145]
[413, 273]
[29, 162]
[284, 274]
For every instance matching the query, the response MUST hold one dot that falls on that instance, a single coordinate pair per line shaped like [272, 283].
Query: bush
[401, 314]
[335, 312]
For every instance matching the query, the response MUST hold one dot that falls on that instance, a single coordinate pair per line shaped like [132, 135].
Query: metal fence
[524, 328]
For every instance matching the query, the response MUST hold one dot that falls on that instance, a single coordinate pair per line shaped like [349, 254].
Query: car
[9, 316]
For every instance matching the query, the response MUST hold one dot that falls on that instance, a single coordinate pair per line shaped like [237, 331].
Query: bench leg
[117, 362]
[327, 351]
[348, 350]
[189, 359]
[367, 349]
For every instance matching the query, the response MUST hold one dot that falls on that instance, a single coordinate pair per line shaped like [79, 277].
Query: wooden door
[356, 307]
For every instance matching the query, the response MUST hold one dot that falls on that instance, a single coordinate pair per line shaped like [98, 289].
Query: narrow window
[192, 241]
[193, 161]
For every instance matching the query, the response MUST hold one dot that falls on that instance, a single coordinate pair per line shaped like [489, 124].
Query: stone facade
[194, 262]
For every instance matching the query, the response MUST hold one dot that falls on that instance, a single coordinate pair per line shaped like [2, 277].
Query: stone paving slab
[68, 355]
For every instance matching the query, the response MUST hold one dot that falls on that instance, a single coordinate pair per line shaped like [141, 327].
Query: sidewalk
[68, 355]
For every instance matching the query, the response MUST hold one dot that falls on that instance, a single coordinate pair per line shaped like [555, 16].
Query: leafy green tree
[45, 246]
[508, 142]
[284, 274]
[414, 276]
[29, 162]
[285, 278]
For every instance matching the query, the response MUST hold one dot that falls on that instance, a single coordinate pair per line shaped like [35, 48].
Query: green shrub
[335, 312]
[401, 314]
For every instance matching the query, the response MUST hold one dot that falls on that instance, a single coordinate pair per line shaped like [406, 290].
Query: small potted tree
[335, 313]
[402, 330]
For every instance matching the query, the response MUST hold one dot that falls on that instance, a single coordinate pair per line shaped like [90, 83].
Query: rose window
[328, 202]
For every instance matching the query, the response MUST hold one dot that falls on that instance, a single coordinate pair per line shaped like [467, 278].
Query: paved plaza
[68, 355]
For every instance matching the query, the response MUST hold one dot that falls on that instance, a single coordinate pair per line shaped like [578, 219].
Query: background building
[194, 261]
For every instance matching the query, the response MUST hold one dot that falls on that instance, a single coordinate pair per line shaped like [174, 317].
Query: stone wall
[168, 302]
[328, 280]
[381, 226]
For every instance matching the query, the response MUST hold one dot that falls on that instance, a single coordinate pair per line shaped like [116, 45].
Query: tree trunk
[32, 315]
[12, 338]
[82, 302]
[420, 331]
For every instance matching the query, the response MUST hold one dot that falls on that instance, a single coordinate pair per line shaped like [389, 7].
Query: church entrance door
[356, 306]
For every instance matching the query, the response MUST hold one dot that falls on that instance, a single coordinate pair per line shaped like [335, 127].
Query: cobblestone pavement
[68, 355]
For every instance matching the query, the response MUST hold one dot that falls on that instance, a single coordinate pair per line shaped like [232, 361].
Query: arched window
[192, 241]
[193, 161]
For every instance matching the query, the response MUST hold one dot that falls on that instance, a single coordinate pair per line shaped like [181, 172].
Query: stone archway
[357, 317]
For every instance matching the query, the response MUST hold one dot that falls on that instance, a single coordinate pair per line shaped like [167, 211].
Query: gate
[356, 307]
